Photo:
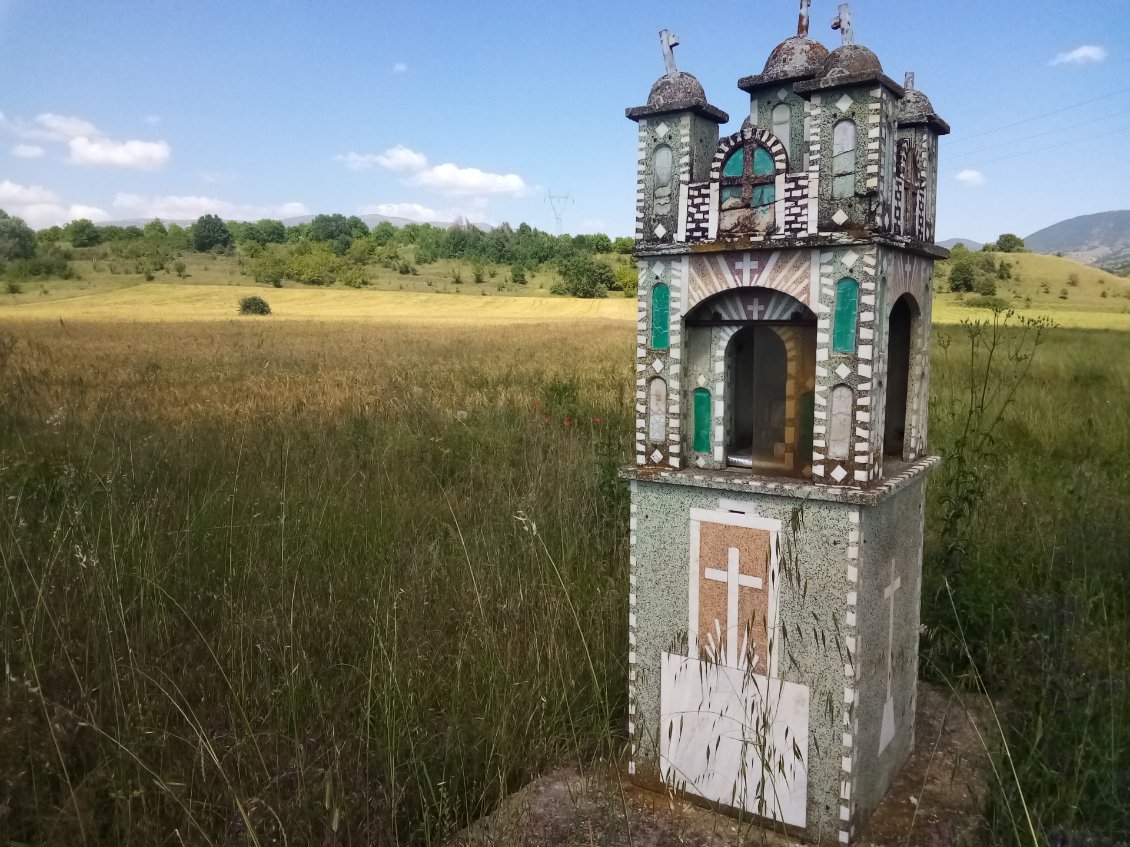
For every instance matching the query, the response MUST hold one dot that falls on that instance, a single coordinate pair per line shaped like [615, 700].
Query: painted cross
[843, 24]
[756, 310]
[802, 23]
[734, 579]
[747, 266]
[669, 41]
[887, 731]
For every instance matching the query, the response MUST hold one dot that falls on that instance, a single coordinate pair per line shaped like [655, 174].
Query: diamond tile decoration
[839, 218]
[660, 231]
[849, 258]
[701, 462]
[782, 94]
[701, 380]
[656, 456]
[658, 365]
[657, 269]
[842, 371]
[661, 129]
[838, 474]
[844, 103]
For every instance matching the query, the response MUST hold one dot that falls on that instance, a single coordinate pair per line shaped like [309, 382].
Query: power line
[1056, 131]
[1054, 146]
[965, 138]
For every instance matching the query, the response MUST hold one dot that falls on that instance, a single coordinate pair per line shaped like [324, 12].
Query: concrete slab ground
[936, 799]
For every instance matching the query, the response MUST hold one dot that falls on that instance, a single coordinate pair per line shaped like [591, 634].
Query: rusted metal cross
[802, 23]
[669, 41]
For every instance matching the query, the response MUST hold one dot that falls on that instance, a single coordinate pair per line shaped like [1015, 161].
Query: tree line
[327, 249]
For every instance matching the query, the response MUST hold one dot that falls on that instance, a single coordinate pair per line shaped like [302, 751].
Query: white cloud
[63, 127]
[190, 207]
[446, 178]
[41, 207]
[412, 211]
[27, 151]
[399, 68]
[358, 161]
[451, 179]
[971, 177]
[87, 144]
[401, 159]
[97, 152]
[1083, 55]
[14, 194]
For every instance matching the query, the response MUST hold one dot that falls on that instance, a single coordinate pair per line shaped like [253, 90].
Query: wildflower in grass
[568, 420]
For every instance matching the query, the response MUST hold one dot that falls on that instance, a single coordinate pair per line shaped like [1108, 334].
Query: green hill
[1072, 293]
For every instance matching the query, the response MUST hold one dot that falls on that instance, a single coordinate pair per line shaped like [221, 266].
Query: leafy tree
[962, 276]
[357, 227]
[210, 232]
[51, 235]
[269, 231]
[82, 233]
[624, 245]
[583, 277]
[155, 229]
[383, 233]
[17, 239]
[178, 237]
[1008, 243]
[269, 268]
[330, 228]
[1004, 270]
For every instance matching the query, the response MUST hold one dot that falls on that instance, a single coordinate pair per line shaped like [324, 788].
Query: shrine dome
[915, 106]
[849, 61]
[794, 57]
[679, 90]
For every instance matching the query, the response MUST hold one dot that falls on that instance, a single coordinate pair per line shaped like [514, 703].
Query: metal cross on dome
[843, 24]
[669, 41]
[802, 22]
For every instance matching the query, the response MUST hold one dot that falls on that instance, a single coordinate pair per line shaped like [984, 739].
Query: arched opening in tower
[899, 331]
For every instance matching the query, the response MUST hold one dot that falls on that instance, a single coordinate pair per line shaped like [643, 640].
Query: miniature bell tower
[782, 374]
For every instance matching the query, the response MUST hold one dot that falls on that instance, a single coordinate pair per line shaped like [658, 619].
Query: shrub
[254, 306]
[962, 277]
[1063, 294]
[1073, 280]
[14, 287]
[583, 277]
[518, 275]
[181, 268]
[983, 302]
[986, 286]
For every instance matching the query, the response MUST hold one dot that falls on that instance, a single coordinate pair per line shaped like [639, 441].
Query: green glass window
[660, 316]
[846, 315]
[701, 420]
[763, 162]
[764, 195]
[735, 164]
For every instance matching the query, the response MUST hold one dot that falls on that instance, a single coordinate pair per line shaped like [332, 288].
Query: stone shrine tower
[782, 365]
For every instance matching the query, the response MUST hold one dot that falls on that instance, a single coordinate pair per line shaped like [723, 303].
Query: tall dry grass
[263, 582]
[267, 585]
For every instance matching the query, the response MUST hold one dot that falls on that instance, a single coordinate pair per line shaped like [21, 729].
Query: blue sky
[427, 109]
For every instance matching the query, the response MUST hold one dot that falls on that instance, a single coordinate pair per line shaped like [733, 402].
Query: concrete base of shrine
[936, 799]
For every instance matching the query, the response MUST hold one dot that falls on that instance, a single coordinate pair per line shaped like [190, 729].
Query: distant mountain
[969, 243]
[1102, 239]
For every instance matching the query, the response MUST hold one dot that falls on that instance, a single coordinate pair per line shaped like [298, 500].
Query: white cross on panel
[734, 579]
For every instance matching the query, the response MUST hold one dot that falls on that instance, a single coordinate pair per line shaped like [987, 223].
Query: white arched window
[657, 410]
[782, 127]
[839, 428]
[843, 159]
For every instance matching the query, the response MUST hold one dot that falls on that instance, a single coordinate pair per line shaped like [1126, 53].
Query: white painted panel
[750, 725]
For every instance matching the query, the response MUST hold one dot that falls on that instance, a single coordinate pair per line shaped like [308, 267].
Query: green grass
[264, 583]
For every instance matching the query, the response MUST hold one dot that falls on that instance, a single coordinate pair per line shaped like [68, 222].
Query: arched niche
[902, 327]
[758, 348]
